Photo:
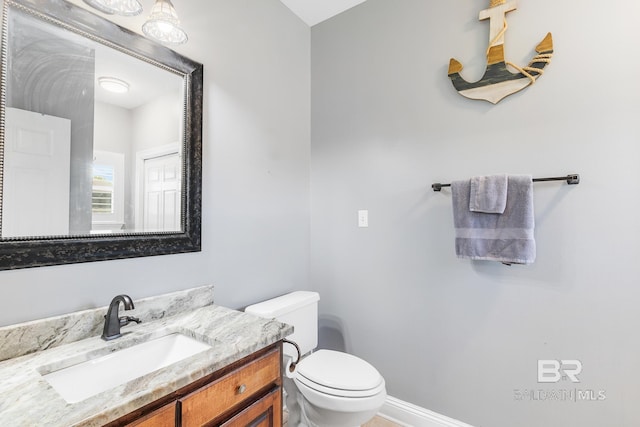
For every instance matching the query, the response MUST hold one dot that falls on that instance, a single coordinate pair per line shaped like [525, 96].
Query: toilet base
[320, 417]
[302, 413]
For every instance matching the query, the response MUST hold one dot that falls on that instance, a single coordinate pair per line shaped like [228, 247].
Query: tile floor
[380, 422]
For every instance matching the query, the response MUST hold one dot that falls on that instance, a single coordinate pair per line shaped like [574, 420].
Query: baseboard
[409, 415]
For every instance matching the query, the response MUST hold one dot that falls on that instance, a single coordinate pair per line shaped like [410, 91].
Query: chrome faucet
[113, 323]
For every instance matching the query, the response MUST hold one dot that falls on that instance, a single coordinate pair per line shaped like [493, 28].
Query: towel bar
[572, 179]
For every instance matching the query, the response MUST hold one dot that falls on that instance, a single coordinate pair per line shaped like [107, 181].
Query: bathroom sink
[94, 376]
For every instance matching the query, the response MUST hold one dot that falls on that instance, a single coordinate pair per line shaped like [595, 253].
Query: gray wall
[455, 336]
[256, 174]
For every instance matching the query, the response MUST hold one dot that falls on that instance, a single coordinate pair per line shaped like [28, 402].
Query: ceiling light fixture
[163, 24]
[113, 84]
[117, 7]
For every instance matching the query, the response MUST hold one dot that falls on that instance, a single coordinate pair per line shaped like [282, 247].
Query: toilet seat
[339, 374]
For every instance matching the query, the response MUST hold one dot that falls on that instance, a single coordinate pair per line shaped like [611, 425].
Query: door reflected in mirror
[93, 137]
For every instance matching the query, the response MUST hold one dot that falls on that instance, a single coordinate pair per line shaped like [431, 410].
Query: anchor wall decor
[498, 82]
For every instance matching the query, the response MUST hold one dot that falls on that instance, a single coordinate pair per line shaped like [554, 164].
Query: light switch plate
[363, 218]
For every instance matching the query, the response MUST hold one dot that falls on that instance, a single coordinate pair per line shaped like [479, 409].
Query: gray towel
[488, 194]
[506, 237]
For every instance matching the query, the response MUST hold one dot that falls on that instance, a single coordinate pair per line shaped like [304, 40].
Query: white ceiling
[315, 11]
[311, 12]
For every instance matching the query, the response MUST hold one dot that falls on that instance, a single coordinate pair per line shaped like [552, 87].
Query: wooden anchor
[498, 82]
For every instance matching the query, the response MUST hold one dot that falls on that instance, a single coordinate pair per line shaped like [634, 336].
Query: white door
[161, 197]
[37, 157]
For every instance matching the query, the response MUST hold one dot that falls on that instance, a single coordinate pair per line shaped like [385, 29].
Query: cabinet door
[266, 412]
[163, 417]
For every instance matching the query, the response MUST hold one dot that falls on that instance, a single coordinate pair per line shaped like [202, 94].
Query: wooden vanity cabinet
[245, 393]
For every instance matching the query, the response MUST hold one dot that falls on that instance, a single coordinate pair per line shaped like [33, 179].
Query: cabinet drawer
[209, 402]
[266, 412]
[163, 417]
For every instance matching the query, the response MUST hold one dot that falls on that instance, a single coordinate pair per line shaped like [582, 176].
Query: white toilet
[327, 388]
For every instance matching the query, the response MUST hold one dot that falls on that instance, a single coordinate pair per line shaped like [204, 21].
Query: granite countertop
[27, 399]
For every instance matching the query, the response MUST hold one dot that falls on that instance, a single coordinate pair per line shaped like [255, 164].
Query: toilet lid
[338, 372]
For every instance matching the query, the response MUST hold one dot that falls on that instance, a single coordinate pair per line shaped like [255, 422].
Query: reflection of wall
[53, 76]
[157, 122]
[113, 132]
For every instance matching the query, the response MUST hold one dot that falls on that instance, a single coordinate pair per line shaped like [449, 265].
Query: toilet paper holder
[292, 367]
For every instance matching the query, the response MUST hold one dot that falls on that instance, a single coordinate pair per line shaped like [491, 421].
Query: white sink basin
[89, 378]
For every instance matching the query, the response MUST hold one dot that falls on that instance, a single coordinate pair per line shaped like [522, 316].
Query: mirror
[101, 143]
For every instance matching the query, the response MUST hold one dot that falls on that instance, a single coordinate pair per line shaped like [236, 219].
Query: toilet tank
[299, 309]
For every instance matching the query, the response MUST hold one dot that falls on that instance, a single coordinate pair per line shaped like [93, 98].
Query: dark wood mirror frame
[18, 253]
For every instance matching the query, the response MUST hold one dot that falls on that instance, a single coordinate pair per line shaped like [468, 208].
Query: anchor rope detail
[504, 29]
[546, 58]
[525, 71]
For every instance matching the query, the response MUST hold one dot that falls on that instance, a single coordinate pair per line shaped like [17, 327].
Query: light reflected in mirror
[78, 159]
